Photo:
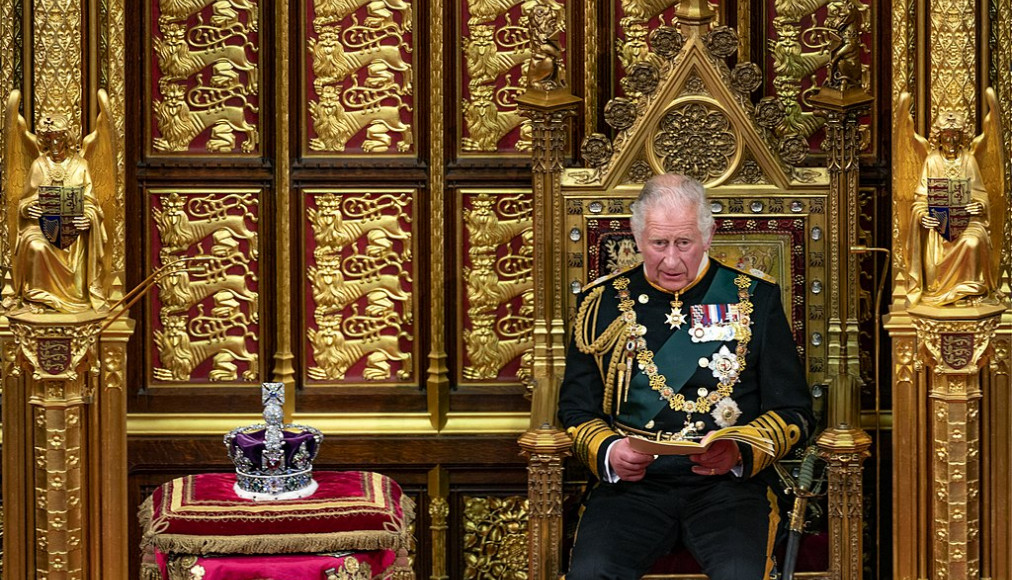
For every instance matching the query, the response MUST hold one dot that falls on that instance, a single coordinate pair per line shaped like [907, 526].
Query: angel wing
[20, 149]
[99, 149]
[911, 150]
[987, 149]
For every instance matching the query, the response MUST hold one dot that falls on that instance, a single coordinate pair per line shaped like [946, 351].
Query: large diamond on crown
[273, 460]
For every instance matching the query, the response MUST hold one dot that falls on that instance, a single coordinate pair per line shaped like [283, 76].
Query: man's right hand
[34, 211]
[627, 463]
[929, 221]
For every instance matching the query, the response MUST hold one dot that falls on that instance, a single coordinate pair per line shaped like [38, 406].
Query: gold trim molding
[152, 424]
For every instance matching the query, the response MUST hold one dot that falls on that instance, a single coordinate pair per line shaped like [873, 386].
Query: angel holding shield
[955, 207]
[60, 251]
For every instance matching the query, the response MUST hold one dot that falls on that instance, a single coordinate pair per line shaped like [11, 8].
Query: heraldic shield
[60, 205]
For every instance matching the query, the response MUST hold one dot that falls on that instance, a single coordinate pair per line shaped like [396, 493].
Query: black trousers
[729, 526]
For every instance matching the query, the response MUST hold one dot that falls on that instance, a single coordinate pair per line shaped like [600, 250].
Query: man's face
[672, 247]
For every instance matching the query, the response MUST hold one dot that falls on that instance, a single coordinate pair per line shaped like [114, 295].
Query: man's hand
[975, 208]
[82, 224]
[717, 460]
[929, 221]
[34, 211]
[627, 463]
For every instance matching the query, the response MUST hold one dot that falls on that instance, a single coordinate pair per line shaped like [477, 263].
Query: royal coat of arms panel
[497, 294]
[205, 314]
[492, 63]
[202, 80]
[359, 287]
[358, 81]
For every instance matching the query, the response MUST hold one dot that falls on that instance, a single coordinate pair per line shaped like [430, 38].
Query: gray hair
[671, 192]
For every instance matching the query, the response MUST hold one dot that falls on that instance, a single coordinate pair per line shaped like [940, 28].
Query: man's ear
[709, 235]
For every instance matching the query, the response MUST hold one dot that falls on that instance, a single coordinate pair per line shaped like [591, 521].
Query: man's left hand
[717, 460]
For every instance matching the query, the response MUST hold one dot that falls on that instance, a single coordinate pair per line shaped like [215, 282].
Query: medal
[675, 318]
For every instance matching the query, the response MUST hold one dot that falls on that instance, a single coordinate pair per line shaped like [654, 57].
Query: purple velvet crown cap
[273, 460]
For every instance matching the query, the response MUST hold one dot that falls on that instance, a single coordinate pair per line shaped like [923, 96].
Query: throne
[687, 111]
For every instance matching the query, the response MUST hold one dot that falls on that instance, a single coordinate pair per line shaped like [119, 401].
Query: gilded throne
[687, 111]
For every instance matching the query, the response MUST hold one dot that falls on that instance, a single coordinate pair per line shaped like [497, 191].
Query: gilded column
[439, 511]
[284, 371]
[997, 461]
[113, 30]
[548, 103]
[956, 345]
[108, 412]
[844, 445]
[58, 352]
[437, 382]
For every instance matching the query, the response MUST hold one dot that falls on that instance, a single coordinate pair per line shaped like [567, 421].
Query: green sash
[678, 358]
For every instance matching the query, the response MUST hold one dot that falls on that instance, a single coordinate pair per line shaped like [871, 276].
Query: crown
[273, 460]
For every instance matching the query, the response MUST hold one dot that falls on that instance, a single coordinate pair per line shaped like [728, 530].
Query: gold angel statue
[951, 208]
[57, 195]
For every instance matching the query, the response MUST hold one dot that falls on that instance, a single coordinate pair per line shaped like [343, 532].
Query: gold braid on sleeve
[587, 441]
[771, 426]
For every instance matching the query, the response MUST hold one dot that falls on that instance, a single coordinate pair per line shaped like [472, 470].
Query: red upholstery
[353, 510]
[282, 567]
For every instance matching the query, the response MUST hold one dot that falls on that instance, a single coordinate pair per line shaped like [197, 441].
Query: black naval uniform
[728, 522]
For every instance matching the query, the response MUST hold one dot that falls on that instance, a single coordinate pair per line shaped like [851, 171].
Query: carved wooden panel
[359, 286]
[497, 290]
[494, 46]
[358, 58]
[205, 318]
[202, 82]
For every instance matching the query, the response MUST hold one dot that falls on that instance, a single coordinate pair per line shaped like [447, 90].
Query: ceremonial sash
[677, 358]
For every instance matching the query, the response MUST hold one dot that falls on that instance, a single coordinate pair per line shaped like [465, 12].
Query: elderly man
[672, 349]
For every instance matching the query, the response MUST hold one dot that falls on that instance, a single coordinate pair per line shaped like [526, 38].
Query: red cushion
[351, 510]
[287, 567]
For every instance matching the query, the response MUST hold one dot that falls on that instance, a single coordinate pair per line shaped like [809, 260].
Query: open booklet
[739, 433]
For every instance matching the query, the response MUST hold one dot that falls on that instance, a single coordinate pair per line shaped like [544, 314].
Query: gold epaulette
[771, 426]
[587, 441]
[602, 279]
[754, 274]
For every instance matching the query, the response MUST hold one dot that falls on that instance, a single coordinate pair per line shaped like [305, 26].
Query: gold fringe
[150, 572]
[276, 544]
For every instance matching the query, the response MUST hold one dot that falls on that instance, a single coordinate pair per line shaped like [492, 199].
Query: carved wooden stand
[64, 453]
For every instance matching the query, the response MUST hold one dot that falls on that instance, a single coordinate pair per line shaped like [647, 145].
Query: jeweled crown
[273, 460]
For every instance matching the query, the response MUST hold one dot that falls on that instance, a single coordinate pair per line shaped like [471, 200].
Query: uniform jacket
[770, 389]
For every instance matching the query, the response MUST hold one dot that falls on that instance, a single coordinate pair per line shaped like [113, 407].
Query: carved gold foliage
[495, 51]
[114, 366]
[1001, 27]
[207, 76]
[209, 313]
[58, 479]
[57, 58]
[350, 569]
[495, 538]
[361, 285]
[115, 64]
[498, 274]
[8, 46]
[696, 139]
[953, 37]
[361, 76]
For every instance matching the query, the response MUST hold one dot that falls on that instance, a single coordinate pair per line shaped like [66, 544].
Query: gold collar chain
[636, 347]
